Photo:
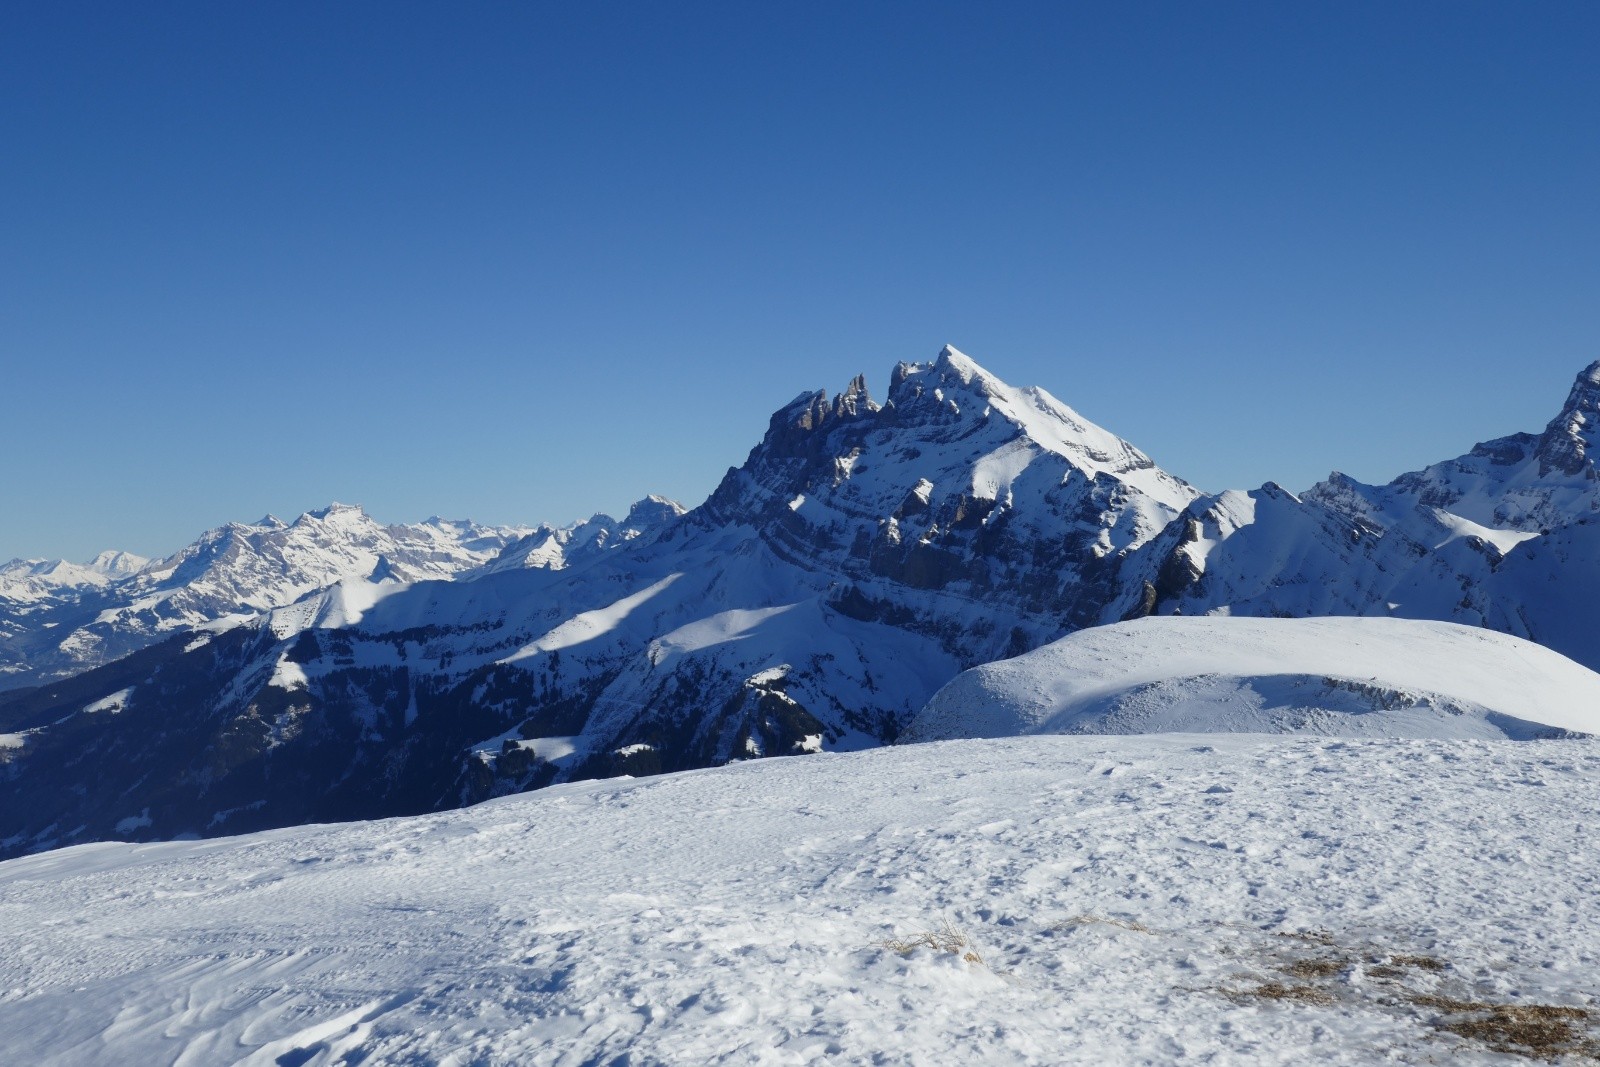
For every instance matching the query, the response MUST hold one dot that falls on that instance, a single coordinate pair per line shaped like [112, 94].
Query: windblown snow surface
[1098, 900]
[1352, 677]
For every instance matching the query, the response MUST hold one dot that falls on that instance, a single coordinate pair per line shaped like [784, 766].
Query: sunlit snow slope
[1124, 900]
[1331, 676]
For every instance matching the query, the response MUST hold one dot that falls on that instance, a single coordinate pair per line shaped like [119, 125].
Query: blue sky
[522, 262]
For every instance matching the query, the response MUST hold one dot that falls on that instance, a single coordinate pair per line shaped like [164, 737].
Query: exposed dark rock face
[1566, 442]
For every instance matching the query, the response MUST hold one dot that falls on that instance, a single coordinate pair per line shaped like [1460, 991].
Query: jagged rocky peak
[1567, 441]
[792, 426]
[951, 369]
[946, 383]
[558, 547]
[1345, 495]
[855, 399]
[951, 413]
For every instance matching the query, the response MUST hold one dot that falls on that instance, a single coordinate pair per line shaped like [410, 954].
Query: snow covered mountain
[558, 547]
[1524, 482]
[27, 580]
[1479, 539]
[1351, 677]
[59, 618]
[862, 556]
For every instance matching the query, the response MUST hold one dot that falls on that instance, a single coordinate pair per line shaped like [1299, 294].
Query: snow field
[1133, 900]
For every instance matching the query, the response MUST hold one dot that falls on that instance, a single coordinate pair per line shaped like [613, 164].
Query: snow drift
[1330, 676]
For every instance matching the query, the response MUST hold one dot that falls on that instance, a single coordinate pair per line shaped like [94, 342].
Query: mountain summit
[1566, 444]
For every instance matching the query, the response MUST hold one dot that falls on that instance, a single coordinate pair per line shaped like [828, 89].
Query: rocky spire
[854, 400]
[1565, 443]
[792, 427]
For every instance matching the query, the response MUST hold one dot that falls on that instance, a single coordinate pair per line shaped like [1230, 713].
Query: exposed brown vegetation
[1299, 994]
[1317, 968]
[948, 938]
[1310, 937]
[1101, 920]
[1420, 963]
[1534, 1030]
[1546, 1032]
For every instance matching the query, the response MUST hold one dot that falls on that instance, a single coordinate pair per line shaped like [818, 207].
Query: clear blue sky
[522, 262]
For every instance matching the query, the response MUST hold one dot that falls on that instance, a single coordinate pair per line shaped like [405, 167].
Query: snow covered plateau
[1158, 899]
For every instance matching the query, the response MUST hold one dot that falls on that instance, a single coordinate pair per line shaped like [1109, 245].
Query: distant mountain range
[58, 618]
[860, 558]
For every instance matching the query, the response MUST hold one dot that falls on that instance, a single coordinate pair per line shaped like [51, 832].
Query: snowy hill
[1330, 676]
[1048, 900]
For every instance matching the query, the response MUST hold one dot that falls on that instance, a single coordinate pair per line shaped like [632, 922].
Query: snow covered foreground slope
[1129, 900]
[1332, 676]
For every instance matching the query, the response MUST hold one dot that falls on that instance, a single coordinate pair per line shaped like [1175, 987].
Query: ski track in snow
[736, 915]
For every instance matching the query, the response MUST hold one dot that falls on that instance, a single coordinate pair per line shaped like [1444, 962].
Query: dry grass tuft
[948, 938]
[1297, 994]
[1396, 967]
[1310, 937]
[1319, 968]
[1419, 963]
[1100, 920]
[1532, 1030]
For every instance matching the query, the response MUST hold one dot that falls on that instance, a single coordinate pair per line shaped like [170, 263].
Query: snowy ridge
[1328, 676]
[57, 618]
[558, 547]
